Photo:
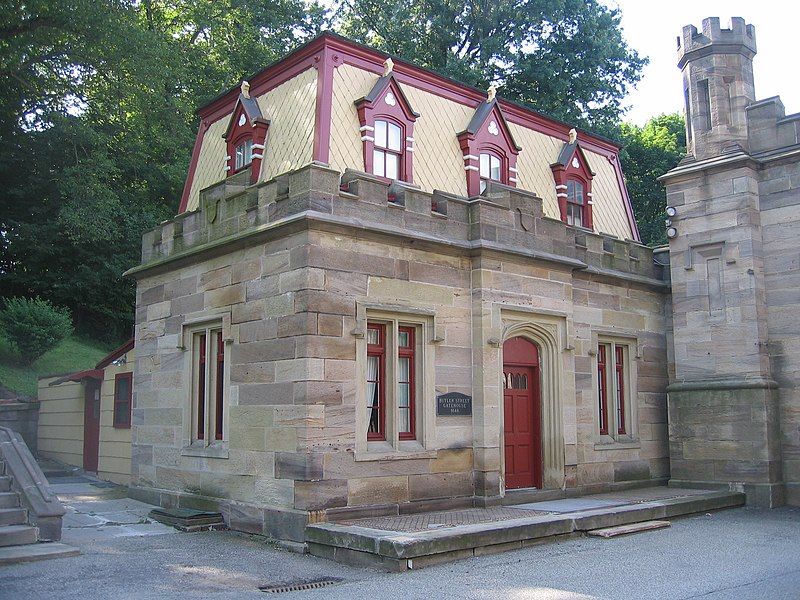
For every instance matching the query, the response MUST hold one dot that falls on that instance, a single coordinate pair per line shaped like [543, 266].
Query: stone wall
[293, 269]
[22, 417]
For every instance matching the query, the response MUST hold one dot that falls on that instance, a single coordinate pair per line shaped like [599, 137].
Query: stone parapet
[693, 44]
[506, 219]
[769, 127]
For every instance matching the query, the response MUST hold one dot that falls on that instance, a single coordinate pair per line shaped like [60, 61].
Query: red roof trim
[79, 376]
[115, 354]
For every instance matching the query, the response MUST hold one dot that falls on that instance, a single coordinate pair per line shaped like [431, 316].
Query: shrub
[33, 326]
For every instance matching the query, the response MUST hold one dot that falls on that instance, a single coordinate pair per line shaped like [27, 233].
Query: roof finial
[491, 93]
[245, 89]
[388, 66]
[573, 136]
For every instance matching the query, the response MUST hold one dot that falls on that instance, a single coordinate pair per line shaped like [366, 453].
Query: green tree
[649, 152]
[33, 326]
[566, 58]
[97, 122]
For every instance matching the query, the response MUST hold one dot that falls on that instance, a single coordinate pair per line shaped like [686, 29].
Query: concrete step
[17, 535]
[5, 483]
[13, 516]
[16, 554]
[9, 500]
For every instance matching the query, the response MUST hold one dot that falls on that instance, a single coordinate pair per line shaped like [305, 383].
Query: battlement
[739, 38]
[506, 219]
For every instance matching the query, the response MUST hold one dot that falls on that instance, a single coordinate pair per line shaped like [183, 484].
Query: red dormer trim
[572, 165]
[387, 101]
[246, 123]
[488, 132]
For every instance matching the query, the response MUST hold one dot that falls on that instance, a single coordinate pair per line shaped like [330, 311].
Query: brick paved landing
[445, 518]
[401, 542]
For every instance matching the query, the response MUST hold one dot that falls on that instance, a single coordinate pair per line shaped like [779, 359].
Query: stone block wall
[22, 417]
[294, 268]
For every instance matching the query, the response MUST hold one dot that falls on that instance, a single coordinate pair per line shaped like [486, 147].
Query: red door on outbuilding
[91, 424]
[522, 411]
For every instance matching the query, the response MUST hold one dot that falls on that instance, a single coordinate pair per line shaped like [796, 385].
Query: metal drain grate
[299, 586]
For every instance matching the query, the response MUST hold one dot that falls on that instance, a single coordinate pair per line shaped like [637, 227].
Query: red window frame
[602, 387]
[123, 424]
[409, 352]
[572, 201]
[201, 388]
[378, 350]
[400, 154]
[619, 366]
[484, 181]
[220, 387]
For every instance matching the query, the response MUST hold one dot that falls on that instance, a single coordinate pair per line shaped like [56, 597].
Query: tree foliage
[649, 152]
[566, 58]
[97, 103]
[34, 326]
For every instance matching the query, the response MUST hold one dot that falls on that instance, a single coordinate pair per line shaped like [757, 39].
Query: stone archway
[552, 429]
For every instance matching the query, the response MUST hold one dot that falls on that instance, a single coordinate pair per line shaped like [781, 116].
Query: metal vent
[299, 586]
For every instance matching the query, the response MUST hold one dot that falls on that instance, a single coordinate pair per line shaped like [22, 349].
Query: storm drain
[299, 586]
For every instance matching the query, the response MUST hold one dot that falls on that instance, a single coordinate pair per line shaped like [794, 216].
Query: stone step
[5, 483]
[13, 516]
[609, 532]
[9, 500]
[16, 535]
[17, 554]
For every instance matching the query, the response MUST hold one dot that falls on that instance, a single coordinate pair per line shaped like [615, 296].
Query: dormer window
[490, 169]
[573, 182]
[387, 129]
[490, 152]
[387, 155]
[576, 204]
[246, 136]
[244, 154]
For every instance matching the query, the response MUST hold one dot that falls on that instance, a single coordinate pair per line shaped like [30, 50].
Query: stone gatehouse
[387, 292]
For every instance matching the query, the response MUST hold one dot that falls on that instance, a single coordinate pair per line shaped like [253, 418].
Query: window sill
[383, 451]
[623, 444]
[215, 450]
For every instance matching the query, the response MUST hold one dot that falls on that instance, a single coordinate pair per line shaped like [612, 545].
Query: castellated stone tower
[734, 396]
[717, 66]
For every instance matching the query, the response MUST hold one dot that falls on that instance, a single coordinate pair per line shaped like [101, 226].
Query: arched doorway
[522, 414]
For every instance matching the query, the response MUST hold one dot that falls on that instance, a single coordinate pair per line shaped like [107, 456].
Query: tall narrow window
[244, 154]
[619, 369]
[602, 388]
[387, 153]
[612, 391]
[704, 103]
[376, 386]
[219, 387]
[208, 387]
[123, 393]
[201, 375]
[575, 203]
[405, 382]
[490, 170]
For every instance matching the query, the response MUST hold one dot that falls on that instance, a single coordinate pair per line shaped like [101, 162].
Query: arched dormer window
[490, 152]
[491, 169]
[573, 182]
[387, 129]
[246, 136]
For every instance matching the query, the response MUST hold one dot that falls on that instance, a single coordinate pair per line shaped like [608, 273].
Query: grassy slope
[72, 354]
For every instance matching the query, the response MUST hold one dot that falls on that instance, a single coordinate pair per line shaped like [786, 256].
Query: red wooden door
[522, 414]
[91, 424]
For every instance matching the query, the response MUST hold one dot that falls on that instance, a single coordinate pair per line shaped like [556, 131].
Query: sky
[651, 28]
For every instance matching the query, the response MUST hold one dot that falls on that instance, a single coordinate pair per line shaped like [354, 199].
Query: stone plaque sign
[453, 404]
